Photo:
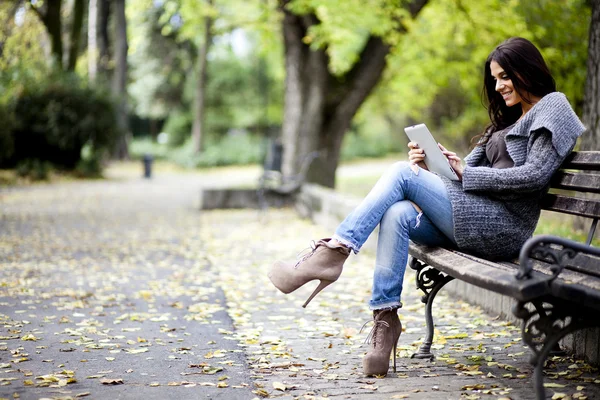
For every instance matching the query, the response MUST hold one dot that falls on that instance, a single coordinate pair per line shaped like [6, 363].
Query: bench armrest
[559, 250]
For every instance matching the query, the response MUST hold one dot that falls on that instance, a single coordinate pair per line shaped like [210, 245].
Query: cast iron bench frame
[556, 282]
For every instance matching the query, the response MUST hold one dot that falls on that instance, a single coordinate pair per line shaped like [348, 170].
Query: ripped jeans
[389, 205]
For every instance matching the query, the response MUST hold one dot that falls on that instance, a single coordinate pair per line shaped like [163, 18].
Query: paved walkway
[122, 289]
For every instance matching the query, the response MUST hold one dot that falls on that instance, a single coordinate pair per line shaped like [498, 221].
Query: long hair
[525, 66]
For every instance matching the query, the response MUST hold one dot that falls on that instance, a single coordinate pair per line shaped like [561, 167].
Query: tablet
[435, 160]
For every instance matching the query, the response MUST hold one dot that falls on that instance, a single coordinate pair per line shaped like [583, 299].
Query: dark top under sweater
[496, 151]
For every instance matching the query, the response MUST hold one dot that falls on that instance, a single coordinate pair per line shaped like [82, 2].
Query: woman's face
[504, 85]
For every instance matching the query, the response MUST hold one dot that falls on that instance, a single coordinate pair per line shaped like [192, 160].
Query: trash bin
[274, 156]
[147, 160]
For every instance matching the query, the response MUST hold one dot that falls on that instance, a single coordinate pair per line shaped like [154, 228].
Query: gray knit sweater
[496, 210]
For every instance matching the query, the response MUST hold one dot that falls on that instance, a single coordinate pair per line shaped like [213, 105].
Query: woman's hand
[416, 155]
[455, 161]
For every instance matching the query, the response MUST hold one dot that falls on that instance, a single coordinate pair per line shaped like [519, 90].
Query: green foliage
[34, 169]
[160, 62]
[435, 73]
[22, 58]
[178, 126]
[232, 149]
[245, 84]
[57, 117]
[345, 26]
[90, 165]
[238, 149]
[372, 136]
[139, 147]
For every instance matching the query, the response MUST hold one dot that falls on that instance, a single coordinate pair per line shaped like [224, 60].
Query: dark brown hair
[525, 66]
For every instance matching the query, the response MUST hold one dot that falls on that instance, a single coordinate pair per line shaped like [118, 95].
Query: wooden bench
[274, 181]
[556, 281]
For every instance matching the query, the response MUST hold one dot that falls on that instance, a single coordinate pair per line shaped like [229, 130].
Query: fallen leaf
[111, 381]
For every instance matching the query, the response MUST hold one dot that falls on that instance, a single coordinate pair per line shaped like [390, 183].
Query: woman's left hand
[455, 161]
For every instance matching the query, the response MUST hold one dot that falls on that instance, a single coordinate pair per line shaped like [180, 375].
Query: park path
[123, 289]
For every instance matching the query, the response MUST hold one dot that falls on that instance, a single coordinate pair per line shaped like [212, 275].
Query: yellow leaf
[553, 385]
[279, 386]
[458, 336]
[136, 351]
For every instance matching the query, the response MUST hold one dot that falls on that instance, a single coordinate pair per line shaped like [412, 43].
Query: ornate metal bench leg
[542, 329]
[430, 281]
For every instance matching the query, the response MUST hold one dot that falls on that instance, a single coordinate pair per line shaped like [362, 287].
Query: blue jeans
[389, 205]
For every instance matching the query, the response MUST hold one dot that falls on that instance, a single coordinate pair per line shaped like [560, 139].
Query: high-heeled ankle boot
[324, 262]
[384, 338]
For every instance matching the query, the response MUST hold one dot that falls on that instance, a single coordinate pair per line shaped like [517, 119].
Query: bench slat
[583, 160]
[584, 263]
[581, 182]
[500, 277]
[589, 208]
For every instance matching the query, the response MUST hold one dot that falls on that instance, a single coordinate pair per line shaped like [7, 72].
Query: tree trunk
[78, 11]
[103, 38]
[119, 82]
[199, 106]
[591, 106]
[92, 46]
[49, 14]
[318, 106]
[591, 101]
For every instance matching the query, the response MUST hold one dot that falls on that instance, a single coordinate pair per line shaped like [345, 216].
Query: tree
[200, 93]
[119, 81]
[92, 40]
[319, 103]
[591, 105]
[103, 38]
[50, 13]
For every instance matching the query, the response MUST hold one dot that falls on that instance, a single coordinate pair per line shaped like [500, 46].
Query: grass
[10, 177]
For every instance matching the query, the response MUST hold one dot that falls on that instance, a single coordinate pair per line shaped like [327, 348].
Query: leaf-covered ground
[124, 290]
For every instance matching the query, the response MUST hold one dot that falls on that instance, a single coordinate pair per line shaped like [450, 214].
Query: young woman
[490, 212]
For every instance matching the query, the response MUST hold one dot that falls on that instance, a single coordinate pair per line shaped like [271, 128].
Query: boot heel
[395, 345]
[321, 286]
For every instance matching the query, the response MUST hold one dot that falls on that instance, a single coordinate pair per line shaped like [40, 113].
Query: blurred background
[206, 83]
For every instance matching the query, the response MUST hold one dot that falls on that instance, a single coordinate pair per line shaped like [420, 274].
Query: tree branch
[36, 10]
[415, 7]
[372, 59]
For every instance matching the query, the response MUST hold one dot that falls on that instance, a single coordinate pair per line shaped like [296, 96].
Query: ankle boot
[384, 339]
[324, 262]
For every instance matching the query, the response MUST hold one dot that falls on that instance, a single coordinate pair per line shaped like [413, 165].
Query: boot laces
[372, 337]
[306, 253]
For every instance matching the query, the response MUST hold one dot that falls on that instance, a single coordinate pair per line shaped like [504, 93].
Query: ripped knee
[417, 208]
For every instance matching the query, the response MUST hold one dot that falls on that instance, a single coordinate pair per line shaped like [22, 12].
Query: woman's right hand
[416, 155]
